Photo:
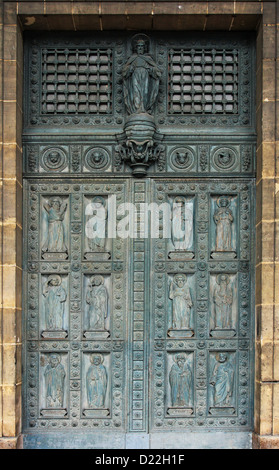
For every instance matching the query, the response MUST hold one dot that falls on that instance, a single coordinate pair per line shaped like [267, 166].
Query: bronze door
[142, 333]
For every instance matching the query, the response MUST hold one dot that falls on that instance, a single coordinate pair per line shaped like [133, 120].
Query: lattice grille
[203, 81]
[76, 81]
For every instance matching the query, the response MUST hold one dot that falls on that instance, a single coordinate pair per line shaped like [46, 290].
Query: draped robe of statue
[54, 306]
[222, 378]
[54, 379]
[141, 83]
[182, 227]
[55, 242]
[180, 378]
[96, 385]
[97, 299]
[181, 305]
[223, 218]
[223, 299]
[99, 229]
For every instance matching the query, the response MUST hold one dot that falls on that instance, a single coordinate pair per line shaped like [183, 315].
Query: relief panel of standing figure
[224, 220]
[182, 308]
[54, 320]
[140, 78]
[182, 228]
[181, 385]
[53, 376]
[222, 382]
[223, 305]
[96, 306]
[96, 385]
[54, 245]
[96, 229]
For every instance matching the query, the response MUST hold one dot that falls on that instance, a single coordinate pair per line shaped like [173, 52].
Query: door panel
[68, 292]
[145, 333]
[201, 331]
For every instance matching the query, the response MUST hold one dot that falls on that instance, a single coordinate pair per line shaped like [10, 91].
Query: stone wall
[262, 16]
[11, 225]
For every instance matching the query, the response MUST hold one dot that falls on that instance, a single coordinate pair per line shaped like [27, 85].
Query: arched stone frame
[262, 16]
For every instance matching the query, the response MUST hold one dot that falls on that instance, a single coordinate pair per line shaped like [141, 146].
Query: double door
[148, 326]
[147, 330]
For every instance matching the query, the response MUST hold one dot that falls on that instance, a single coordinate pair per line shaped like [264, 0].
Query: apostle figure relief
[96, 387]
[223, 299]
[96, 381]
[181, 384]
[140, 78]
[222, 382]
[97, 307]
[54, 305]
[223, 219]
[54, 386]
[182, 304]
[222, 303]
[96, 230]
[55, 244]
[182, 229]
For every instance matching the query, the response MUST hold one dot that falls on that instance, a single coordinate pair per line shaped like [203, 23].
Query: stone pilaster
[11, 226]
[267, 254]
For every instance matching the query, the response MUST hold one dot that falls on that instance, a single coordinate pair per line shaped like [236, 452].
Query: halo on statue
[98, 199]
[54, 277]
[223, 198]
[179, 199]
[220, 276]
[140, 38]
[221, 354]
[55, 198]
[54, 356]
[96, 277]
[180, 275]
[96, 355]
[180, 356]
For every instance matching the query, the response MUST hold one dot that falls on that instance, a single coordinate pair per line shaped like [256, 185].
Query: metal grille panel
[76, 81]
[203, 81]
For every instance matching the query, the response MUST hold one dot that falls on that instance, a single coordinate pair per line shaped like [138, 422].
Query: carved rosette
[96, 159]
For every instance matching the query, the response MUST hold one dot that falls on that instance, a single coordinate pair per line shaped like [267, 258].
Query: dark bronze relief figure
[96, 387]
[54, 296]
[141, 78]
[55, 244]
[181, 385]
[96, 230]
[96, 308]
[222, 382]
[223, 219]
[53, 390]
[182, 307]
[182, 228]
[223, 306]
